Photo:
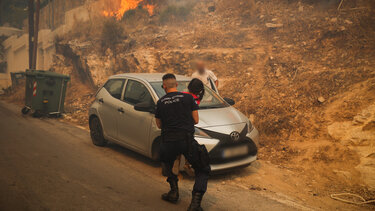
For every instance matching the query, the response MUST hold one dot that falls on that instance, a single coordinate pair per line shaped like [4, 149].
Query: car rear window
[114, 87]
[136, 92]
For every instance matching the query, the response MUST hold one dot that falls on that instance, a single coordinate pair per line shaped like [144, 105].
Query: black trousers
[174, 144]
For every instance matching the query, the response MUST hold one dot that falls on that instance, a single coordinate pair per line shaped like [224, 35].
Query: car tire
[96, 132]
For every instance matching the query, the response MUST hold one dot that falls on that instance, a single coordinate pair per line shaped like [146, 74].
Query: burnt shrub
[112, 34]
[136, 16]
[175, 13]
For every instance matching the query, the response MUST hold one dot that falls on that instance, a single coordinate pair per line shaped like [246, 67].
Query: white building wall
[16, 47]
[16, 56]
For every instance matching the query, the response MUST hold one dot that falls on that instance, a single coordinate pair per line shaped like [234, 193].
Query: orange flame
[126, 5]
[150, 8]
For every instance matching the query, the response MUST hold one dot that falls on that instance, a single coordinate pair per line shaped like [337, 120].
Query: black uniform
[175, 112]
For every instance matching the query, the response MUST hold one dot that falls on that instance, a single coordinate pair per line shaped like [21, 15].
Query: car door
[134, 126]
[109, 99]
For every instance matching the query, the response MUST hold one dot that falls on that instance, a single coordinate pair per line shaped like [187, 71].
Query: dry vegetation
[294, 67]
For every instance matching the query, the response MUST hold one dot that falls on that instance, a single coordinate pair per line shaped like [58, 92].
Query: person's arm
[195, 116]
[194, 110]
[158, 122]
[214, 78]
[157, 115]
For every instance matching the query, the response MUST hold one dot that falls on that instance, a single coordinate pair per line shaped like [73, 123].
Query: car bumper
[210, 143]
[234, 164]
[254, 135]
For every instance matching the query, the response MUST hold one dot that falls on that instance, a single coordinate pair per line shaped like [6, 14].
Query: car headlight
[200, 133]
[250, 127]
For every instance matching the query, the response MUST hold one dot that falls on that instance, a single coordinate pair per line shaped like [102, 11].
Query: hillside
[302, 71]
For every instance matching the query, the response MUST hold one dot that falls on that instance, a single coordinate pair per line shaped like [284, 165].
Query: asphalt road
[46, 164]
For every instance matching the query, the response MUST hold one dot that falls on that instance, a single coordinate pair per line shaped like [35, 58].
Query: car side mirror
[229, 101]
[145, 107]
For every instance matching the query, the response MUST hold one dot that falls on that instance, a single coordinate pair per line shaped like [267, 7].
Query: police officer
[176, 114]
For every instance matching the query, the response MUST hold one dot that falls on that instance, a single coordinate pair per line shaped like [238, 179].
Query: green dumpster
[45, 92]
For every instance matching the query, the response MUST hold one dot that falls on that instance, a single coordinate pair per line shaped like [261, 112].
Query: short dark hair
[169, 76]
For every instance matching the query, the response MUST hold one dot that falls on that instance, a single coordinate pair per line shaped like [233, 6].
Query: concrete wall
[52, 15]
[16, 57]
[16, 47]
[9, 31]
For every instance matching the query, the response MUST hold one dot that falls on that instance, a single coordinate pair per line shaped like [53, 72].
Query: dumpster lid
[46, 73]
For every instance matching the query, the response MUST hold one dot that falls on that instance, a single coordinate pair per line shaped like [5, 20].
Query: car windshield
[210, 99]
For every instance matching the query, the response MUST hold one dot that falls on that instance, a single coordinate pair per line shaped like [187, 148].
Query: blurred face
[201, 67]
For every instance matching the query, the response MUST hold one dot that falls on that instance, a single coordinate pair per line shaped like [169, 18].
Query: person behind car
[176, 114]
[206, 76]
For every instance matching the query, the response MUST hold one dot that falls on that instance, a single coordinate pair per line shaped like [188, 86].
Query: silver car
[123, 112]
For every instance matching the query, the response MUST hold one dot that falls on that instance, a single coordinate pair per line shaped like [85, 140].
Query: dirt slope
[300, 70]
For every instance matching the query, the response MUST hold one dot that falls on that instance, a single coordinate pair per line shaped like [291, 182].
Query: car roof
[149, 77]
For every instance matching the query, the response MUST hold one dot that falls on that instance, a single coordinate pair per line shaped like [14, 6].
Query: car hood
[220, 117]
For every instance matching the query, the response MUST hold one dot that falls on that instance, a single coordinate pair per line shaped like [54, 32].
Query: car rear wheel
[96, 132]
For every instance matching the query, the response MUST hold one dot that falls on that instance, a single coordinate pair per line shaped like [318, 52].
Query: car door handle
[121, 110]
[101, 100]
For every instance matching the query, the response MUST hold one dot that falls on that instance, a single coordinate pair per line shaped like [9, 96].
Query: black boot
[195, 204]
[172, 195]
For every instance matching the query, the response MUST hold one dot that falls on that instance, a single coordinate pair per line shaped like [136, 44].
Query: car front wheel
[96, 132]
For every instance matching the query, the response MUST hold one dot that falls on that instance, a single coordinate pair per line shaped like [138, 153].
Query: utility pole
[31, 32]
[1, 6]
[36, 30]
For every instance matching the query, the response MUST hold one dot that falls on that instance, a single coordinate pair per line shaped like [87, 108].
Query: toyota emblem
[235, 136]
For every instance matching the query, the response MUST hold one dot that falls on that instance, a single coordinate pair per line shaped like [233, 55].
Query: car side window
[136, 92]
[114, 87]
